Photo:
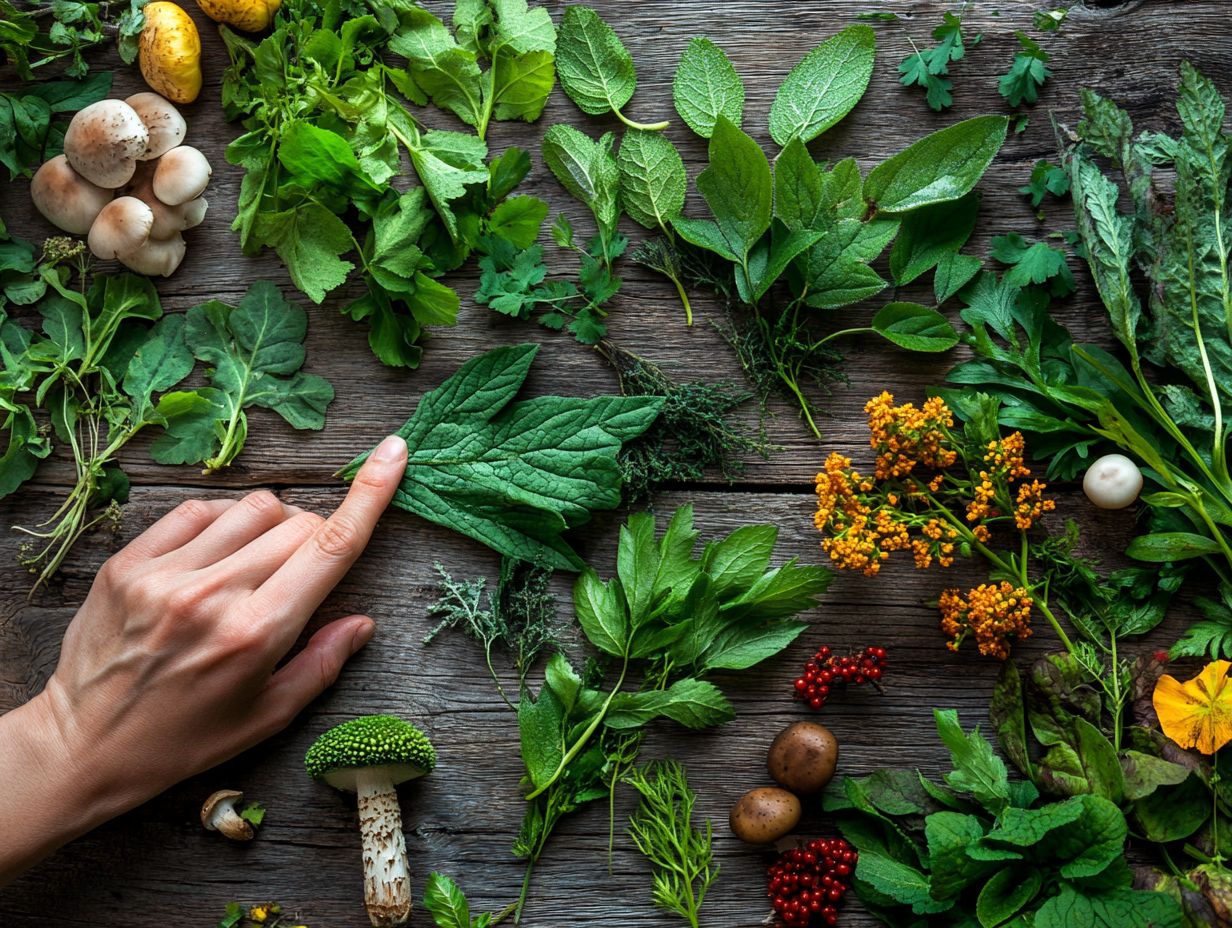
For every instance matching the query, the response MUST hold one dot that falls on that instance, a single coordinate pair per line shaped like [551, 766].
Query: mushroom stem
[228, 821]
[387, 879]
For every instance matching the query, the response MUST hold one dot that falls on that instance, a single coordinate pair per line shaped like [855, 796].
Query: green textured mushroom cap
[371, 741]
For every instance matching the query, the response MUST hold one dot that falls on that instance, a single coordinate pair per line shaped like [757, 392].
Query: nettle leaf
[915, 327]
[515, 475]
[254, 351]
[445, 902]
[653, 182]
[824, 87]
[595, 68]
[940, 167]
[707, 87]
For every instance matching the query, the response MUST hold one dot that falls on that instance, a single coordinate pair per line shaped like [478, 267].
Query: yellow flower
[259, 913]
[1198, 712]
[991, 613]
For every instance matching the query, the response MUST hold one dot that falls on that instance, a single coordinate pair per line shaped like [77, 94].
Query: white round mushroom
[156, 256]
[1112, 482]
[65, 198]
[122, 226]
[103, 142]
[168, 220]
[182, 175]
[166, 126]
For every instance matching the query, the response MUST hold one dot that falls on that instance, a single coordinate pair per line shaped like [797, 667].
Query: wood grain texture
[157, 865]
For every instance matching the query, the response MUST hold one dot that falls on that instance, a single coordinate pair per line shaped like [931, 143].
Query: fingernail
[391, 449]
[362, 635]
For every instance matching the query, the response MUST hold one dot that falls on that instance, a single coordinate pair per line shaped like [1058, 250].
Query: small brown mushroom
[168, 220]
[182, 175]
[156, 256]
[218, 814]
[802, 757]
[122, 226]
[166, 126]
[104, 141]
[765, 814]
[65, 198]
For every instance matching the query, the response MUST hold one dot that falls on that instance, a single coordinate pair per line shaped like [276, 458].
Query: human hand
[168, 668]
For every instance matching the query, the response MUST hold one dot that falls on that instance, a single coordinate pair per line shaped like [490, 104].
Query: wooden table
[157, 866]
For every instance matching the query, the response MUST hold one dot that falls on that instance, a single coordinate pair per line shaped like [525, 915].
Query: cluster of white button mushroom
[131, 146]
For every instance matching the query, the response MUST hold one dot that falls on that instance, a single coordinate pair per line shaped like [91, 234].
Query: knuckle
[192, 510]
[263, 503]
[185, 602]
[338, 537]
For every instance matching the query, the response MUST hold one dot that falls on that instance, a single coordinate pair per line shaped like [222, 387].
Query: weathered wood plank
[156, 864]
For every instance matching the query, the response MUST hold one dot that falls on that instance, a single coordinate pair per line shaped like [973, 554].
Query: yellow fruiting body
[170, 52]
[245, 15]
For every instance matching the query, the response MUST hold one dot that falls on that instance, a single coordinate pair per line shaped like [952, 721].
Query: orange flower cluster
[906, 438]
[991, 613]
[1006, 460]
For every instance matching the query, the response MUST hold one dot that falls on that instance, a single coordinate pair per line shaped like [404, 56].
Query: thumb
[312, 671]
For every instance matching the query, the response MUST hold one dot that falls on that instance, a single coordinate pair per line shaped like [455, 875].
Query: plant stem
[645, 126]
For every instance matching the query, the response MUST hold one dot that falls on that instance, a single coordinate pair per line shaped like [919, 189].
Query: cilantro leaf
[930, 67]
[1045, 179]
[707, 87]
[515, 475]
[1033, 263]
[1027, 74]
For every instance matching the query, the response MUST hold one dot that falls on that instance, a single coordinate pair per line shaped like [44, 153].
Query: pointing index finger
[299, 586]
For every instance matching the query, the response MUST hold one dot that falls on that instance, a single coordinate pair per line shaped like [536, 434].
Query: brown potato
[763, 815]
[803, 757]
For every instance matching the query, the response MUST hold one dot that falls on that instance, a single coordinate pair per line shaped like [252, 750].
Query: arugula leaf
[254, 352]
[514, 475]
[943, 166]
[1028, 73]
[595, 68]
[977, 770]
[824, 87]
[707, 87]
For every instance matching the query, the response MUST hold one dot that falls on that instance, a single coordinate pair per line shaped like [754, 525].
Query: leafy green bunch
[666, 621]
[32, 123]
[101, 371]
[982, 850]
[1162, 401]
[328, 123]
[72, 28]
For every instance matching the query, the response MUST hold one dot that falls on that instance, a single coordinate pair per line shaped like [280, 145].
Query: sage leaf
[595, 68]
[824, 87]
[915, 327]
[515, 475]
[942, 166]
[707, 87]
[653, 182]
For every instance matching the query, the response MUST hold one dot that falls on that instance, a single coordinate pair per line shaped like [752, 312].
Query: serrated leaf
[595, 68]
[824, 87]
[707, 87]
[653, 182]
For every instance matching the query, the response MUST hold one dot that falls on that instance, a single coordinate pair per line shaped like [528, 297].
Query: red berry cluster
[823, 670]
[807, 884]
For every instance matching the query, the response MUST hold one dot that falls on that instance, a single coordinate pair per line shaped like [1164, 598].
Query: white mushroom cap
[65, 198]
[156, 257]
[182, 175]
[168, 220]
[122, 226]
[166, 126]
[104, 141]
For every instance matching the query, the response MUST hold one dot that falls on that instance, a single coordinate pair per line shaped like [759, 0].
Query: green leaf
[1172, 813]
[1005, 895]
[162, 361]
[738, 187]
[540, 724]
[915, 327]
[942, 166]
[977, 770]
[1007, 714]
[900, 882]
[824, 87]
[690, 702]
[588, 169]
[949, 834]
[707, 87]
[311, 241]
[653, 182]
[193, 420]
[1145, 773]
[928, 235]
[1118, 908]
[253, 813]
[595, 68]
[954, 271]
[255, 351]
[1171, 546]
[519, 220]
[447, 73]
[799, 195]
[515, 475]
[836, 269]
[445, 902]
[1028, 73]
[739, 648]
